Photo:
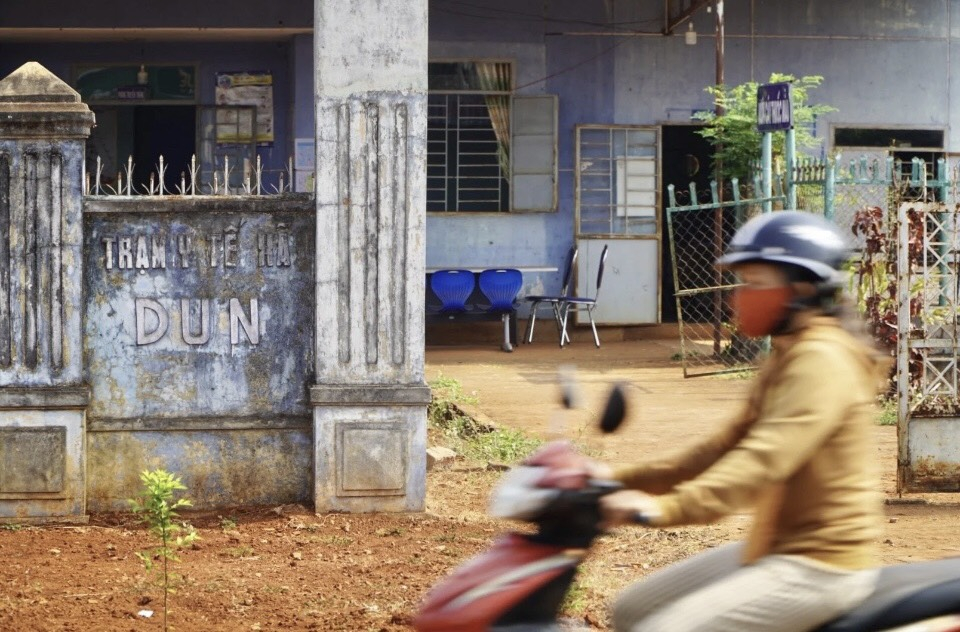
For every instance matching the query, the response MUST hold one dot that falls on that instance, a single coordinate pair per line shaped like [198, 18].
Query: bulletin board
[254, 88]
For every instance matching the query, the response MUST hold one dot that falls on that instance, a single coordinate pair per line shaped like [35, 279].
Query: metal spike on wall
[257, 181]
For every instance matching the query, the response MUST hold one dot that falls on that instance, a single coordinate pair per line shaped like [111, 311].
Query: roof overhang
[196, 34]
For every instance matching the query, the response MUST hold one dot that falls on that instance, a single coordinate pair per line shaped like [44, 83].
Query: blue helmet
[804, 240]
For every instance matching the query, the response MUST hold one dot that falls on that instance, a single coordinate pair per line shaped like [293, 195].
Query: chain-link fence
[861, 196]
[699, 234]
[841, 190]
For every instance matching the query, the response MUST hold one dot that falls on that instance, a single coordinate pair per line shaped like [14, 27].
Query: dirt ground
[286, 568]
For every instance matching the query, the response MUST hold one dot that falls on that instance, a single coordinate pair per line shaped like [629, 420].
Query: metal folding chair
[583, 304]
[554, 302]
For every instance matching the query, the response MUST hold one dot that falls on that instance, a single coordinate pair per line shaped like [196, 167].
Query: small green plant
[10, 527]
[156, 507]
[888, 412]
[227, 524]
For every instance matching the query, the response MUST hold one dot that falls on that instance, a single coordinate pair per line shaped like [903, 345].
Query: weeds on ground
[335, 540]
[502, 445]
[391, 532]
[888, 412]
[155, 506]
[446, 398]
[10, 527]
[227, 524]
[744, 374]
[575, 601]
[466, 435]
[244, 550]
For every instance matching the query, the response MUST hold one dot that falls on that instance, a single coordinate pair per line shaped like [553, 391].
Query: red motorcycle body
[519, 583]
[479, 593]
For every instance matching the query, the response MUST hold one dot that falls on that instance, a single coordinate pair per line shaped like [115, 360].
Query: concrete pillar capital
[35, 103]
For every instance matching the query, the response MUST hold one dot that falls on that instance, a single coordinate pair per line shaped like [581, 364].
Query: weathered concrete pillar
[370, 397]
[42, 399]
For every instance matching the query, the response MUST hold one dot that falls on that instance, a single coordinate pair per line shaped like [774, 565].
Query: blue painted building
[550, 123]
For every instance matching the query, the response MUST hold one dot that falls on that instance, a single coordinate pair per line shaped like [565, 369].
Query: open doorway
[163, 130]
[143, 132]
[686, 157]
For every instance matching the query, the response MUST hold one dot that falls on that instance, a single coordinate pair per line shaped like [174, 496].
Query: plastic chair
[555, 302]
[453, 288]
[582, 304]
[501, 287]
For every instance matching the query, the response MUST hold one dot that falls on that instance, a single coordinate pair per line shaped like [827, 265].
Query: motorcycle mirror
[569, 396]
[615, 411]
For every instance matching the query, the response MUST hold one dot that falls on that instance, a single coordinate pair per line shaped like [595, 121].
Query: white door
[617, 204]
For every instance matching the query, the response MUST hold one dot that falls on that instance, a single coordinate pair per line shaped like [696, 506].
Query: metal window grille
[465, 166]
[618, 180]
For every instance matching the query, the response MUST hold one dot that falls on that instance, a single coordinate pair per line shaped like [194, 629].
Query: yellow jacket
[801, 452]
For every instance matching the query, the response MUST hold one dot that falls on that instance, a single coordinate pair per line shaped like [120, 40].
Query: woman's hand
[599, 471]
[628, 507]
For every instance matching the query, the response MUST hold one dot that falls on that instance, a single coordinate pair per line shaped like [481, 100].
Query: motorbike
[519, 583]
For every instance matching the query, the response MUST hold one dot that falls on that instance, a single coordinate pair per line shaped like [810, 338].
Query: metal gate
[928, 428]
[925, 292]
[699, 233]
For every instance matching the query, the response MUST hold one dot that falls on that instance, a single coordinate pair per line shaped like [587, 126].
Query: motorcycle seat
[905, 593]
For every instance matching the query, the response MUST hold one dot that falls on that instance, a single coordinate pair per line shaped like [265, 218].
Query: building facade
[454, 133]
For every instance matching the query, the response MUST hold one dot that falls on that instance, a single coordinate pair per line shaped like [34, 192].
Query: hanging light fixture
[690, 37]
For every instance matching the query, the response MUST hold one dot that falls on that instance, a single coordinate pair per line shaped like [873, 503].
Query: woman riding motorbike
[800, 453]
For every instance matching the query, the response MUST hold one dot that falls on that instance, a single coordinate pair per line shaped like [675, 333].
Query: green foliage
[502, 445]
[446, 396]
[466, 435]
[156, 507]
[888, 412]
[575, 601]
[734, 134]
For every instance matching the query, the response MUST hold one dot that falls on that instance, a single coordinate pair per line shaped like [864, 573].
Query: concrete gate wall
[266, 350]
[198, 346]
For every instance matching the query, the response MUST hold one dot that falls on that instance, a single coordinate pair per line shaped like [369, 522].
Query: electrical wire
[498, 13]
[578, 64]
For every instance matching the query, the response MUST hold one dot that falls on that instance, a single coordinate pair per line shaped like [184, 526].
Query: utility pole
[718, 212]
[718, 15]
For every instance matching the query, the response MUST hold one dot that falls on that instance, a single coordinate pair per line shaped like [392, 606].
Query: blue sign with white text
[774, 112]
